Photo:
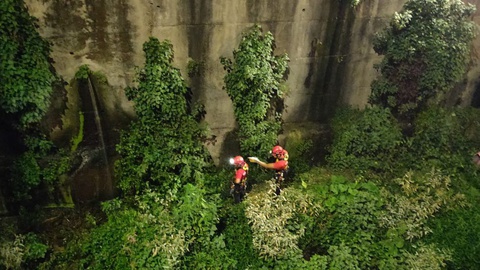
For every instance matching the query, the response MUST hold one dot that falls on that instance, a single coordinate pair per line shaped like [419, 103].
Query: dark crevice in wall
[311, 66]
[328, 81]
[124, 35]
[230, 147]
[198, 33]
[92, 179]
[476, 97]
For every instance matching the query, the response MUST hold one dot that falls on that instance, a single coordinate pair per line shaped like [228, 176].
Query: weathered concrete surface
[329, 45]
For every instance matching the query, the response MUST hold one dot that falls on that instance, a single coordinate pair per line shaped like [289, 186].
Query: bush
[445, 138]
[417, 45]
[163, 147]
[254, 83]
[458, 231]
[364, 140]
[21, 250]
[24, 66]
[155, 231]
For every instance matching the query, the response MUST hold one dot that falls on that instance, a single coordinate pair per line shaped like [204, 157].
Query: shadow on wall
[325, 77]
[91, 128]
[230, 148]
[476, 97]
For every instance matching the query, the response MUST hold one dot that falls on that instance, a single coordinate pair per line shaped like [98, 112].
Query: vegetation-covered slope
[392, 194]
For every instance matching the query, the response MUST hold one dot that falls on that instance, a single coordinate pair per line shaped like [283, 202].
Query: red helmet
[237, 161]
[277, 151]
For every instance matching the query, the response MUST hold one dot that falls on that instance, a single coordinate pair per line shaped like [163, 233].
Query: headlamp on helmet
[237, 161]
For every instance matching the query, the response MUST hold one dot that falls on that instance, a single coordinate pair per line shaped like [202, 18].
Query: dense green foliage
[42, 163]
[24, 65]
[21, 250]
[425, 49]
[254, 83]
[444, 139]
[25, 96]
[162, 147]
[155, 233]
[365, 140]
[393, 200]
[238, 238]
[447, 137]
[458, 231]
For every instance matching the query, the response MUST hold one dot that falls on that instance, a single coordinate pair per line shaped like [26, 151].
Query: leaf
[304, 184]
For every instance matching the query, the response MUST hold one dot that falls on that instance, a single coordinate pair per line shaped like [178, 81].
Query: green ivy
[254, 82]
[425, 51]
[238, 238]
[163, 145]
[153, 231]
[25, 176]
[20, 252]
[25, 96]
[458, 231]
[358, 225]
[42, 163]
[351, 219]
[364, 140]
[24, 65]
[194, 67]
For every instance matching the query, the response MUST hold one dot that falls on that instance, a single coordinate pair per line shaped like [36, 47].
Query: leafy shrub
[254, 83]
[445, 138]
[24, 65]
[163, 146]
[22, 249]
[136, 239]
[417, 44]
[11, 252]
[300, 151]
[342, 258]
[157, 232]
[42, 163]
[364, 140]
[34, 248]
[421, 197]
[439, 132]
[238, 237]
[26, 175]
[426, 257]
[345, 223]
[218, 181]
[274, 228]
[458, 231]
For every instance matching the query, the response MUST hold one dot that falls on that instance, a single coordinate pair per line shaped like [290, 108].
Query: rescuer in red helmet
[239, 185]
[280, 165]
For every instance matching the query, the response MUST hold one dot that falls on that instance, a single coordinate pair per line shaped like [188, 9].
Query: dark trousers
[279, 177]
[238, 193]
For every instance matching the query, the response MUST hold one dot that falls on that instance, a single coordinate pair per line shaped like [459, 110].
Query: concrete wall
[328, 42]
